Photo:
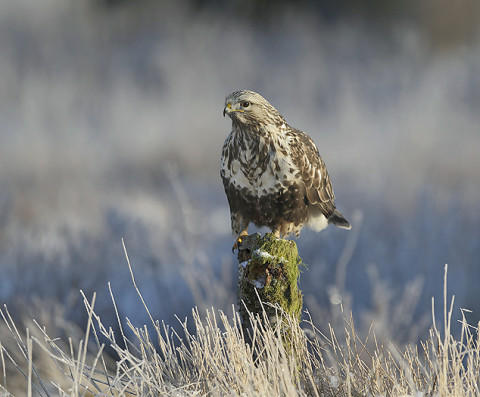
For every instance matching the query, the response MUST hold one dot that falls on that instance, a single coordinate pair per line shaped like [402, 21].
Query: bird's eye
[245, 104]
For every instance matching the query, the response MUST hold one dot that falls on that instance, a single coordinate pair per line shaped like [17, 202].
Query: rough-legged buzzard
[272, 173]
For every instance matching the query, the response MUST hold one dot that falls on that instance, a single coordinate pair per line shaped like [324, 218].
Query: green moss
[272, 271]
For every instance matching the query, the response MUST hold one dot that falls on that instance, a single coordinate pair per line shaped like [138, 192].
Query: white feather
[317, 221]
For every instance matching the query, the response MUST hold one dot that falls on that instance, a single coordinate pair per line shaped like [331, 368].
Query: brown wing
[313, 171]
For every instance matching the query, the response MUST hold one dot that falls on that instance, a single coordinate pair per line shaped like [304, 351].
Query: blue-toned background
[111, 126]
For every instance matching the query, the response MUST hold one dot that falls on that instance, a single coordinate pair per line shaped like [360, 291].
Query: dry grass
[212, 358]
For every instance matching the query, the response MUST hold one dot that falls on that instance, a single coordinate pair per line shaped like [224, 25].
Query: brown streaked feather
[314, 172]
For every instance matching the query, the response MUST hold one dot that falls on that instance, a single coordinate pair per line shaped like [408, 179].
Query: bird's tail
[338, 220]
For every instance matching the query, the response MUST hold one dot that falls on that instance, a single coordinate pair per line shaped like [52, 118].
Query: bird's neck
[254, 132]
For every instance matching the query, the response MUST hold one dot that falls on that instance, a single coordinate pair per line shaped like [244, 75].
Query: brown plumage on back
[272, 173]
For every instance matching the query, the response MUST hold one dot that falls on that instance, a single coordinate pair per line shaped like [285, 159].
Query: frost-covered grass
[210, 357]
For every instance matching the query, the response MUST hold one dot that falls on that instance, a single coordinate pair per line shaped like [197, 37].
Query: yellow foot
[239, 241]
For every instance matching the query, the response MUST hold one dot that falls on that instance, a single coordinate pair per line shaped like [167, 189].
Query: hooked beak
[227, 108]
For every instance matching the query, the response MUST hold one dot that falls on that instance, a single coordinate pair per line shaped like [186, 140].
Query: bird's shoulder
[314, 174]
[303, 147]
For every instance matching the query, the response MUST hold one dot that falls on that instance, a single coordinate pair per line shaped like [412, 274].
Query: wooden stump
[268, 280]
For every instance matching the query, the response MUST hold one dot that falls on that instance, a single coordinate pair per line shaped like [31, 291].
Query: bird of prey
[273, 173]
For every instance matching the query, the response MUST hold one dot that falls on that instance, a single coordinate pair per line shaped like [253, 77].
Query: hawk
[273, 173]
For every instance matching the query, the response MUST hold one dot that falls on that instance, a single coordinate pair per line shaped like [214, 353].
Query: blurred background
[111, 127]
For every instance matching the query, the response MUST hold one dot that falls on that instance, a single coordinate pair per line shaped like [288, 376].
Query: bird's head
[249, 108]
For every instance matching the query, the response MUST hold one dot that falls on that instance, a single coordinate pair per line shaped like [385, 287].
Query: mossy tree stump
[268, 279]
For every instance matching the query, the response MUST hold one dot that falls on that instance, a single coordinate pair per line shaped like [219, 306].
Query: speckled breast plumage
[261, 184]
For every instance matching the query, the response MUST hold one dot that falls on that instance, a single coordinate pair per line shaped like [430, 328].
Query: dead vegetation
[210, 357]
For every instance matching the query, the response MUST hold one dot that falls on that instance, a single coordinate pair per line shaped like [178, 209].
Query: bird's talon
[236, 245]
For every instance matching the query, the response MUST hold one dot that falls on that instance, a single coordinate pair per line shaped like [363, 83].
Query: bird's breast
[262, 167]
